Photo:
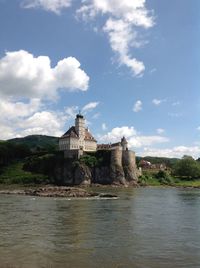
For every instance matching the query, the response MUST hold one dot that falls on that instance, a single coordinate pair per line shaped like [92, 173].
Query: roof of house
[103, 146]
[71, 132]
[88, 135]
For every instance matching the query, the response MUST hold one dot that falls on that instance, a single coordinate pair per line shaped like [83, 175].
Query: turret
[124, 144]
[80, 126]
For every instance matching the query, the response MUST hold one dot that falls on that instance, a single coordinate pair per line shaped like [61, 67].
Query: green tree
[188, 168]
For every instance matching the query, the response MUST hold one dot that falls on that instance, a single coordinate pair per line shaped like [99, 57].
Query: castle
[78, 140]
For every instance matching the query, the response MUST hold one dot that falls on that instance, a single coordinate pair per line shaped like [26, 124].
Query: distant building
[77, 139]
[123, 145]
[144, 164]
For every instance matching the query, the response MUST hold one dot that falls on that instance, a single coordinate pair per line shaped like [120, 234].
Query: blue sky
[132, 68]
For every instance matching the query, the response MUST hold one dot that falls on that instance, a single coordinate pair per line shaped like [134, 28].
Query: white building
[77, 139]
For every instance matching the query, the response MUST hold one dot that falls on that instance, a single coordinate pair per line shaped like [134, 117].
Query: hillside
[170, 162]
[37, 142]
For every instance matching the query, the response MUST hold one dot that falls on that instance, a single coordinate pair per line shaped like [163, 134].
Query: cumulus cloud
[176, 152]
[198, 128]
[90, 106]
[137, 106]
[18, 119]
[122, 23]
[49, 5]
[29, 122]
[23, 75]
[13, 110]
[157, 102]
[135, 140]
[45, 122]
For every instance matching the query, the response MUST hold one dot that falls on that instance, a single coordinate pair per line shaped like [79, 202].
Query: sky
[131, 67]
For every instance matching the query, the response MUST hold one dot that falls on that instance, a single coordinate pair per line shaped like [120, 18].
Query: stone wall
[123, 169]
[116, 170]
[129, 166]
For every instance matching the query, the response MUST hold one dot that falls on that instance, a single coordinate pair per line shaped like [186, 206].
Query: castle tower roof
[123, 139]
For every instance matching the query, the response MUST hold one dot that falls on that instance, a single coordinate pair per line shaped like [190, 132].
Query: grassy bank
[14, 174]
[165, 179]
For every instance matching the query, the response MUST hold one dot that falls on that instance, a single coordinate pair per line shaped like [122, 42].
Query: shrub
[164, 178]
[89, 160]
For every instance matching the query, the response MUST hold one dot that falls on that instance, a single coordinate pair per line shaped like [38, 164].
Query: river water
[144, 228]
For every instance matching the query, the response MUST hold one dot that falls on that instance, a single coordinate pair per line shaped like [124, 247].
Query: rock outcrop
[117, 167]
[82, 175]
[55, 191]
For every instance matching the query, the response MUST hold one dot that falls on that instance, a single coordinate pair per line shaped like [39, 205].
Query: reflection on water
[147, 227]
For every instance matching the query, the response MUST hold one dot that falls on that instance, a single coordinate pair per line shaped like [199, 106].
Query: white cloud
[141, 141]
[104, 127]
[19, 119]
[160, 130]
[90, 106]
[23, 75]
[122, 22]
[49, 5]
[14, 110]
[132, 11]
[177, 152]
[6, 132]
[198, 128]
[45, 122]
[157, 102]
[135, 140]
[121, 35]
[95, 116]
[41, 122]
[137, 106]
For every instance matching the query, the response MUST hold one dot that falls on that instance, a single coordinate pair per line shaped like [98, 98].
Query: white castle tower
[80, 126]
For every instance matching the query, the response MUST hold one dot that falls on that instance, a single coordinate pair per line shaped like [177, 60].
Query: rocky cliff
[114, 167]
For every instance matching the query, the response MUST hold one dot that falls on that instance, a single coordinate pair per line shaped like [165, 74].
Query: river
[144, 228]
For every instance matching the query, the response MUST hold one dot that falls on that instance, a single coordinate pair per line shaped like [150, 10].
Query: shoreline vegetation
[14, 174]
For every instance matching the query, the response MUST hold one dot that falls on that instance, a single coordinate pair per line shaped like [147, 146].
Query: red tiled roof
[103, 146]
[70, 133]
[88, 135]
[73, 134]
